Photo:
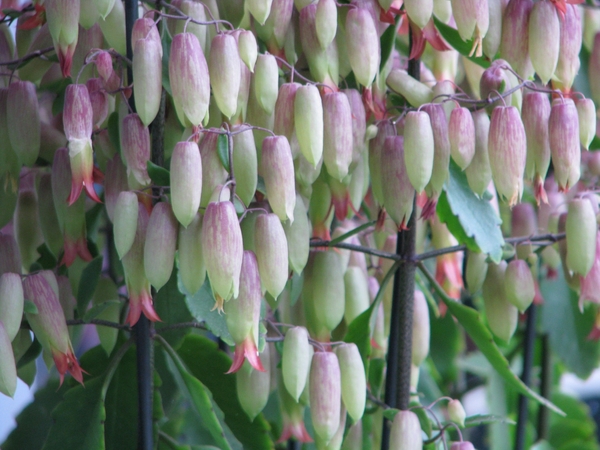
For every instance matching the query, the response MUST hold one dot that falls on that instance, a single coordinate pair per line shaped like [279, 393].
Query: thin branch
[104, 323]
[177, 326]
[32, 55]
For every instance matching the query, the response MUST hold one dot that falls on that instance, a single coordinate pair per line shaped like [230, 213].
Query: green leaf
[471, 220]
[471, 321]
[376, 371]
[200, 399]
[114, 133]
[223, 150]
[351, 233]
[170, 306]
[166, 45]
[95, 310]
[390, 413]
[34, 422]
[207, 363]
[159, 175]
[29, 307]
[201, 306]
[31, 354]
[567, 327]
[453, 38]
[446, 344]
[59, 102]
[46, 260]
[87, 284]
[359, 332]
[485, 419]
[79, 419]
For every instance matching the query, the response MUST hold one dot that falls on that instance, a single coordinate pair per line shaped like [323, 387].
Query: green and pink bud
[415, 92]
[544, 48]
[242, 315]
[189, 78]
[495, 80]
[461, 133]
[297, 234]
[565, 145]
[196, 11]
[49, 324]
[49, 224]
[186, 181]
[191, 260]
[272, 253]
[10, 256]
[507, 148]
[145, 28]
[590, 284]
[147, 73]
[337, 134]
[405, 433]
[514, 46]
[356, 291]
[420, 329]
[441, 153]
[135, 148]
[359, 122]
[284, 110]
[536, 114]
[266, 82]
[160, 245]
[325, 394]
[63, 23]
[8, 367]
[491, 41]
[78, 114]
[581, 229]
[419, 148]
[398, 192]
[224, 69]
[223, 250]
[295, 361]
[327, 291]
[594, 69]
[472, 21]
[213, 172]
[115, 182]
[11, 303]
[104, 64]
[502, 316]
[326, 22]
[462, 445]
[292, 414]
[519, 284]
[571, 37]
[420, 12]
[476, 270]
[253, 386]
[456, 412]
[248, 48]
[586, 113]
[277, 168]
[354, 383]
[245, 164]
[309, 123]
[479, 172]
[362, 43]
[24, 121]
[99, 101]
[138, 286]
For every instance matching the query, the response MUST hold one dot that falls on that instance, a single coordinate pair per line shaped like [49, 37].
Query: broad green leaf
[200, 399]
[170, 306]
[96, 310]
[470, 219]
[376, 371]
[390, 413]
[166, 45]
[159, 175]
[568, 328]
[223, 150]
[485, 419]
[201, 306]
[59, 101]
[87, 284]
[79, 419]
[206, 362]
[47, 260]
[453, 38]
[34, 422]
[114, 133]
[359, 332]
[577, 430]
[446, 343]
[471, 321]
[31, 354]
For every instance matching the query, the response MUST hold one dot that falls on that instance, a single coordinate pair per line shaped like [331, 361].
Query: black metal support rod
[528, 348]
[545, 388]
[397, 384]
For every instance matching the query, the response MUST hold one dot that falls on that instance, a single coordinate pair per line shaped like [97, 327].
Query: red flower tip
[138, 304]
[294, 430]
[67, 362]
[74, 248]
[247, 350]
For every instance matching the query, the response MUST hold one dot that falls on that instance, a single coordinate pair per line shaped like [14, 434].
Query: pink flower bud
[266, 82]
[536, 114]
[581, 229]
[245, 164]
[160, 245]
[519, 284]
[354, 383]
[135, 147]
[523, 220]
[284, 110]
[461, 133]
[295, 361]
[508, 152]
[248, 48]
[359, 122]
[362, 43]
[308, 120]
[10, 257]
[405, 433]
[78, 113]
[544, 26]
[326, 22]
[325, 394]
[223, 250]
[456, 412]
[145, 28]
[49, 324]
[11, 303]
[398, 192]
[189, 77]
[337, 134]
[277, 168]
[147, 73]
[502, 316]
[479, 172]
[462, 445]
[271, 253]
[292, 414]
[590, 284]
[418, 148]
[564, 143]
[138, 286]
[104, 64]
[356, 293]
[421, 329]
[476, 270]
[213, 173]
[253, 386]
[570, 45]
[515, 36]
[186, 181]
[495, 80]
[125, 221]
[63, 23]
[586, 114]
[196, 11]
[8, 368]
[24, 121]
[441, 150]
[224, 68]
[191, 261]
[98, 100]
